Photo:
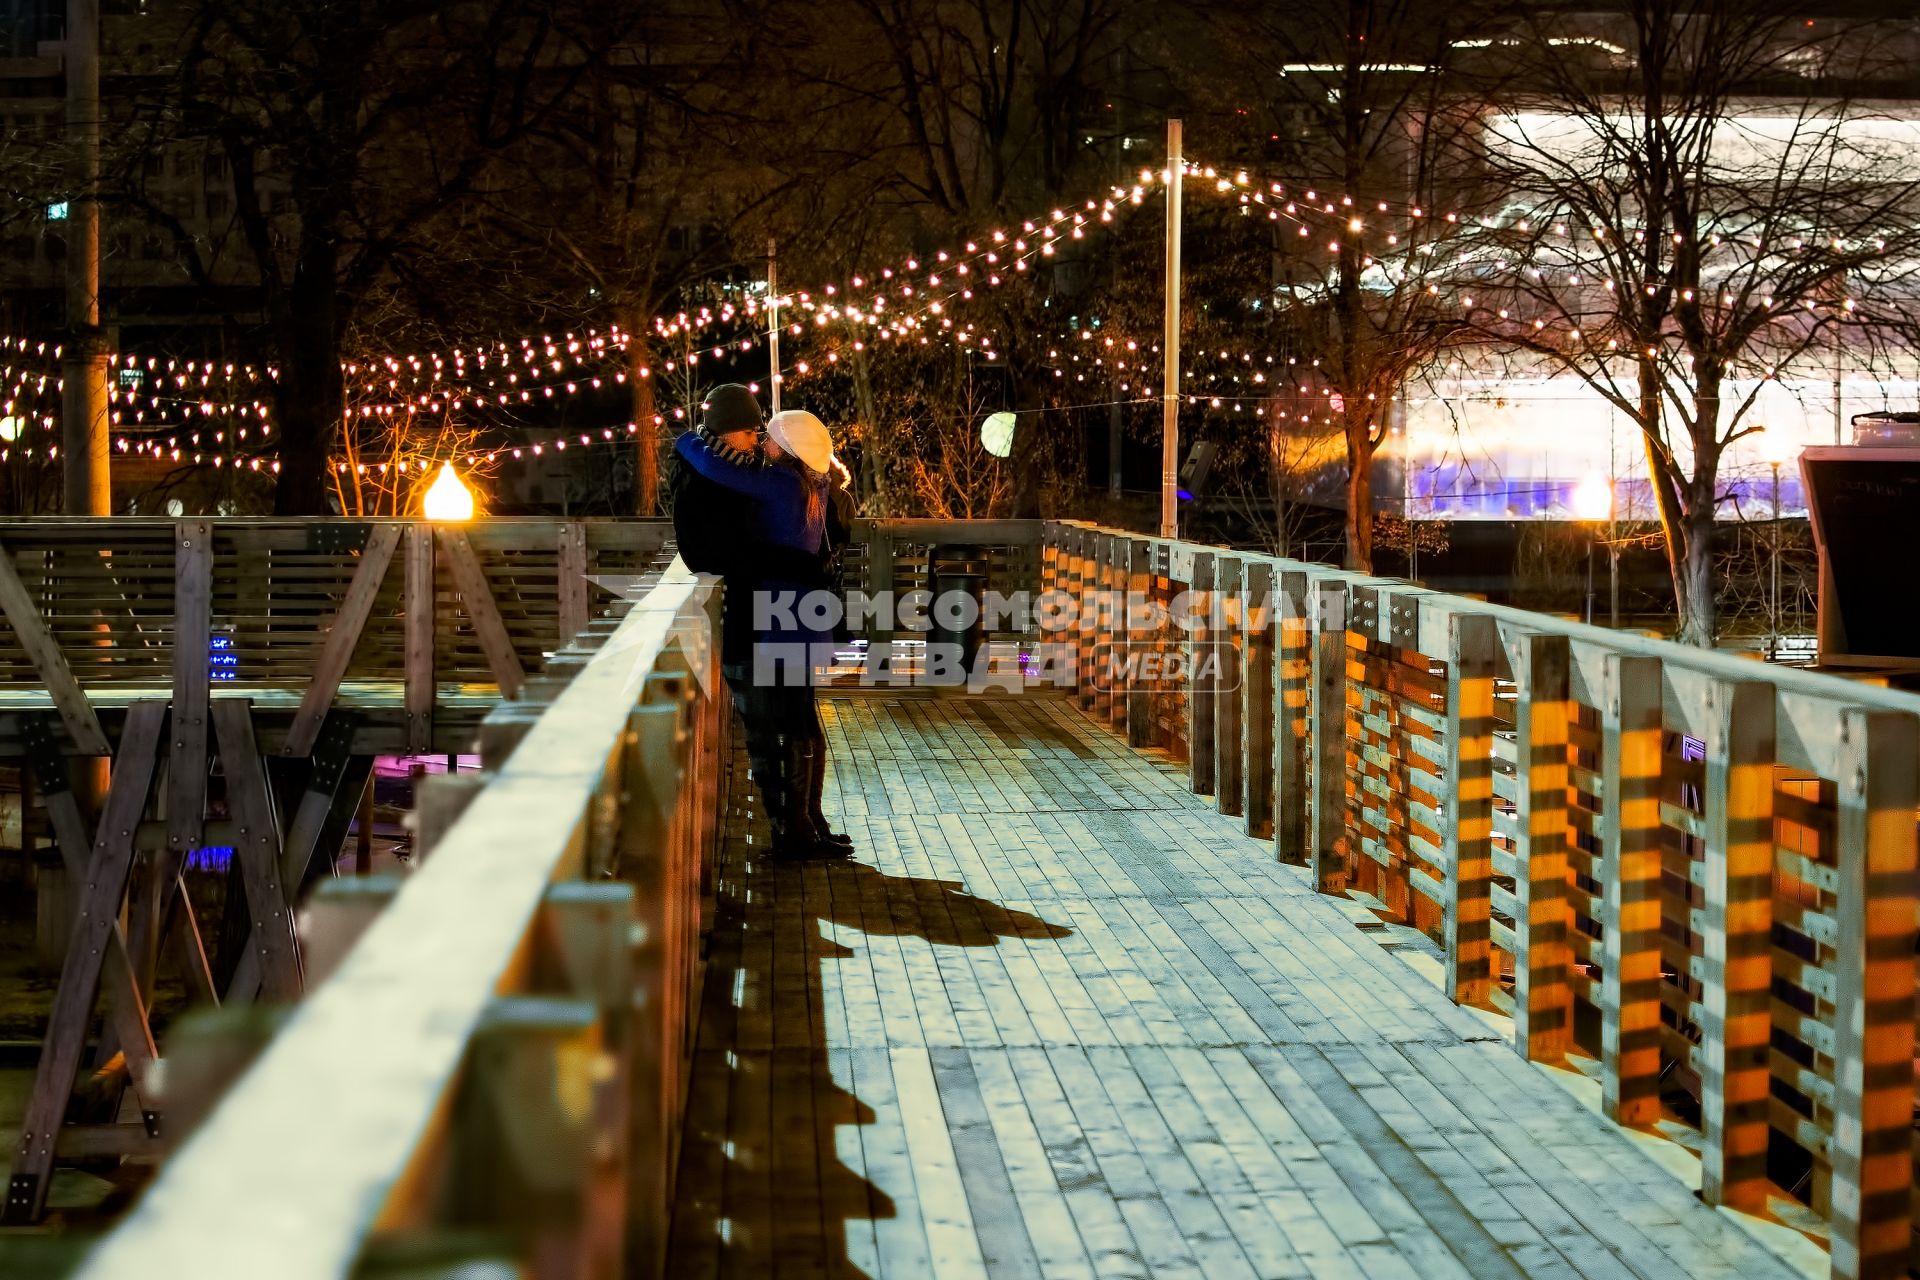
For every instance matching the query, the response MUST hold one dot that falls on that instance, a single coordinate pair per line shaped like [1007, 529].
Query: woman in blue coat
[792, 501]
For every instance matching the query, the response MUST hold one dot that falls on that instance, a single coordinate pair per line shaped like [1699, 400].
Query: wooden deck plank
[1061, 1019]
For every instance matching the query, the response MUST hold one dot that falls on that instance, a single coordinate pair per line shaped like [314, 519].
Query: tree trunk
[646, 432]
[1694, 584]
[1359, 499]
[310, 394]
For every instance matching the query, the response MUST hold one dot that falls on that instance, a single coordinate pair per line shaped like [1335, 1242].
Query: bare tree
[370, 124]
[1363, 120]
[1697, 203]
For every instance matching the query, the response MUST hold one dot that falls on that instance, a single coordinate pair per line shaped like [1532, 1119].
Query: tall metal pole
[773, 326]
[1839, 353]
[1170, 347]
[85, 488]
[1773, 607]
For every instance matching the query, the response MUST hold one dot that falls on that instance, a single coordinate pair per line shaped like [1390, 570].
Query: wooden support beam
[1328, 767]
[333, 790]
[1737, 986]
[1229, 641]
[476, 597]
[418, 603]
[1543, 964]
[1473, 643]
[1872, 1215]
[192, 679]
[1259, 711]
[343, 635]
[49, 663]
[1631, 766]
[257, 849]
[126, 1008]
[98, 912]
[572, 569]
[1200, 680]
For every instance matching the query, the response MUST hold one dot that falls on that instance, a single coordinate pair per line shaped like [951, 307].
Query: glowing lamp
[447, 499]
[1593, 498]
[996, 434]
[10, 428]
[1776, 448]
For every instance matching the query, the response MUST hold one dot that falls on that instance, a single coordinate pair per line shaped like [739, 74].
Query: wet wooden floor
[1062, 1019]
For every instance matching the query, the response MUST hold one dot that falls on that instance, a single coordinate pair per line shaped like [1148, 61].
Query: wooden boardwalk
[1061, 1019]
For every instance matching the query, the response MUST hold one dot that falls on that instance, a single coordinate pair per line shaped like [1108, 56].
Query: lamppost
[1592, 503]
[1777, 450]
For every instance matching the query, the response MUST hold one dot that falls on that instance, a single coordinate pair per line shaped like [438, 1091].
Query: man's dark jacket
[717, 531]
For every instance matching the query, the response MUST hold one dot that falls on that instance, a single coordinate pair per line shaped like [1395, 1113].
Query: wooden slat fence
[1694, 870]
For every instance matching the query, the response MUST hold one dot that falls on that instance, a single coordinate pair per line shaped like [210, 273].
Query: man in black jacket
[717, 531]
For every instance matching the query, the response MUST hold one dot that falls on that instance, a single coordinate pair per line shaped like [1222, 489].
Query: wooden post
[1738, 945]
[192, 636]
[1258, 711]
[1543, 965]
[1292, 790]
[571, 567]
[1227, 633]
[1201, 684]
[1088, 559]
[1872, 1214]
[1472, 644]
[419, 607]
[1141, 730]
[1110, 639]
[1630, 884]
[1329, 737]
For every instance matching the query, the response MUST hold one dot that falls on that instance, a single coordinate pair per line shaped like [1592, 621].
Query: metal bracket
[332, 749]
[42, 748]
[331, 537]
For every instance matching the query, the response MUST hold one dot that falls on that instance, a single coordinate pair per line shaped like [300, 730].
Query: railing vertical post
[1199, 676]
[1543, 992]
[1259, 712]
[1096, 695]
[1329, 751]
[571, 586]
[1630, 770]
[1114, 584]
[880, 587]
[1737, 945]
[1872, 1213]
[1139, 699]
[1292, 731]
[1472, 640]
[1228, 648]
[418, 606]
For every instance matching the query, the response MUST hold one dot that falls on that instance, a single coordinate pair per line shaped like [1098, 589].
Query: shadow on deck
[1063, 1019]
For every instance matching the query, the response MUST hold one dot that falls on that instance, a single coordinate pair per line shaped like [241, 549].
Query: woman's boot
[816, 787]
[797, 837]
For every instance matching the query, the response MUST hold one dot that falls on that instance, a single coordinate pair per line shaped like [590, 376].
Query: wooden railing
[401, 615]
[1697, 870]
[489, 1064]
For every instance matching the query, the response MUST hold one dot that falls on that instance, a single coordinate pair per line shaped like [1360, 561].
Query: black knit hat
[730, 407]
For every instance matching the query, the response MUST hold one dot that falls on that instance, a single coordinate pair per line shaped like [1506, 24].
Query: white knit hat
[804, 436]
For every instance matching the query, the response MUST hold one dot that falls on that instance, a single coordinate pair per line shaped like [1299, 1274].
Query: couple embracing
[755, 502]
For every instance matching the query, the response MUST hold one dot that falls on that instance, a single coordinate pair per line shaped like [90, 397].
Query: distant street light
[1592, 503]
[448, 500]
